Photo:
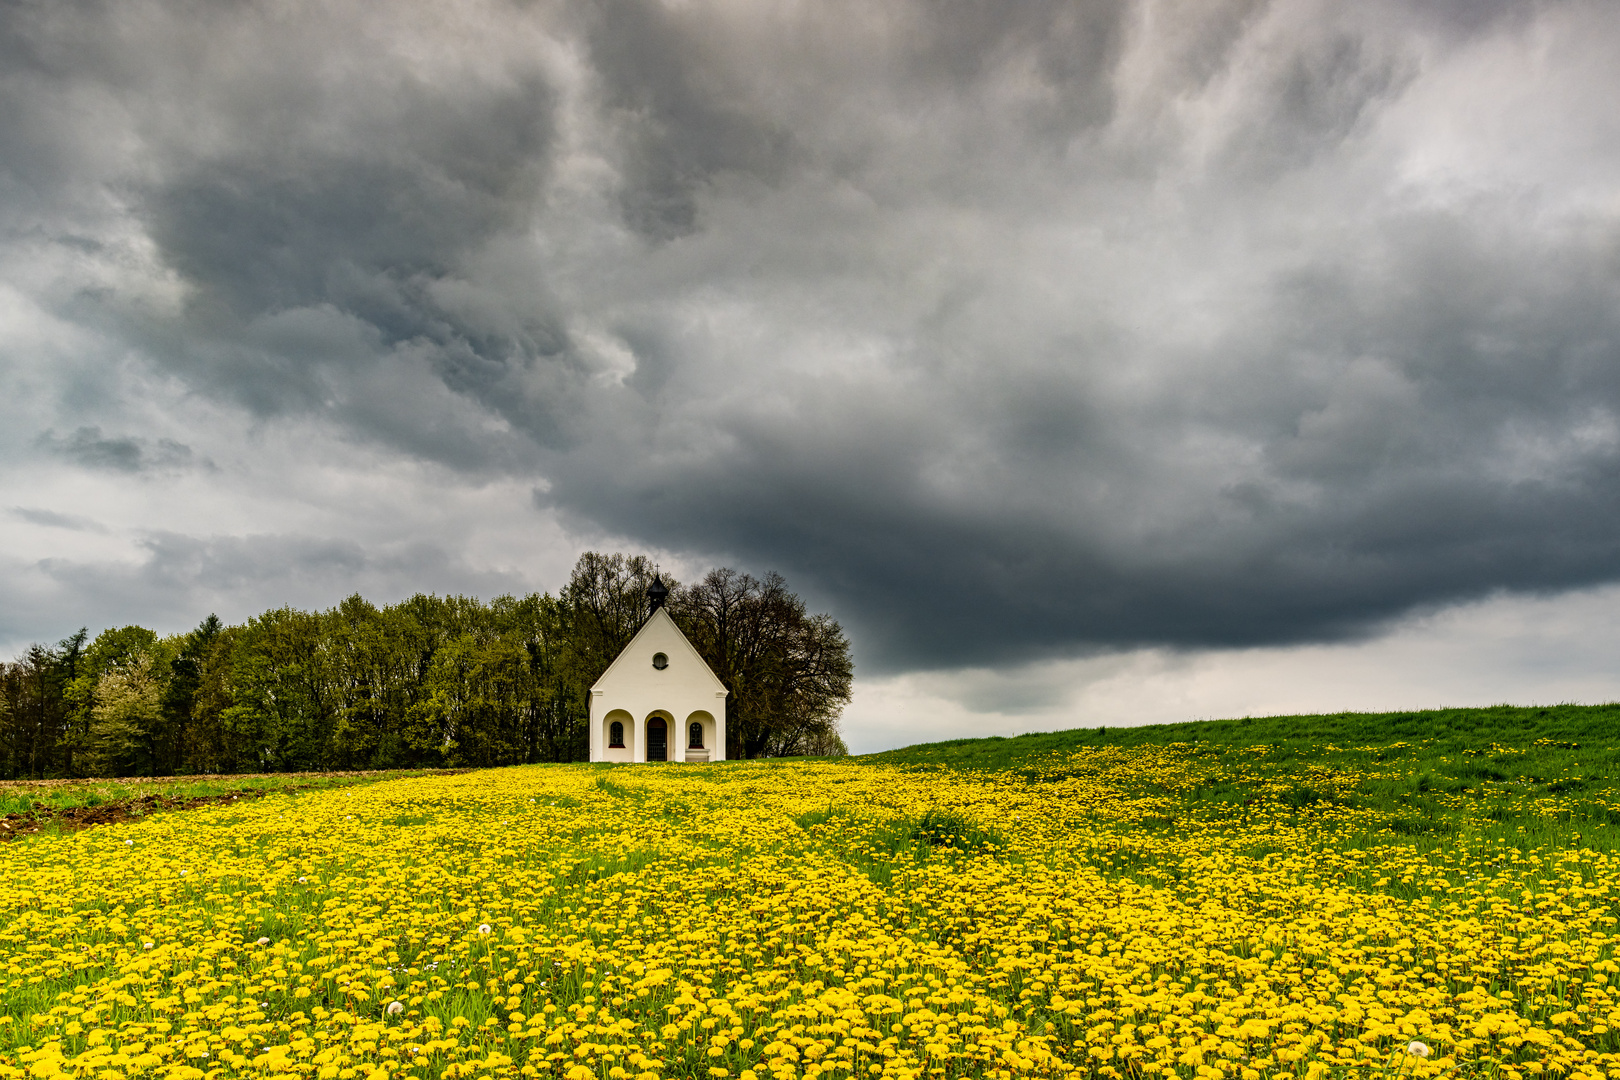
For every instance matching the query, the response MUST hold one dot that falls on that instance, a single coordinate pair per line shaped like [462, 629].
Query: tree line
[429, 682]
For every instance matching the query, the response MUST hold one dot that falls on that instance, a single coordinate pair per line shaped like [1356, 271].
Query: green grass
[1520, 767]
[1478, 791]
[1575, 734]
[937, 831]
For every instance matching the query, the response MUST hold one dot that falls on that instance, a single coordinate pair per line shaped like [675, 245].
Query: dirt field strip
[178, 794]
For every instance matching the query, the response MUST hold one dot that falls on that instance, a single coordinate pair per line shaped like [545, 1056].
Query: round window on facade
[660, 661]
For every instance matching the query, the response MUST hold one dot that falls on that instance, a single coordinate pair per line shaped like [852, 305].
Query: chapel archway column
[593, 718]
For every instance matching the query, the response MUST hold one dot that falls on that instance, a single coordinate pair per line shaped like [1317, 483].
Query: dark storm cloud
[678, 123]
[356, 242]
[1004, 330]
[120, 453]
[319, 185]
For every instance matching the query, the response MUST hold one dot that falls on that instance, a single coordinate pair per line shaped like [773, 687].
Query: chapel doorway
[656, 741]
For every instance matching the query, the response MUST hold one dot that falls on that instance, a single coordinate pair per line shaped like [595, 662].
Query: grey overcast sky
[1091, 362]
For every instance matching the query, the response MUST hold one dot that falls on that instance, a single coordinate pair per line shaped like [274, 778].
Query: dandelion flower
[394, 1008]
[263, 941]
[483, 928]
[1417, 1049]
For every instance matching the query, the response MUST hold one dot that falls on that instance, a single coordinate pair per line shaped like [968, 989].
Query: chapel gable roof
[659, 633]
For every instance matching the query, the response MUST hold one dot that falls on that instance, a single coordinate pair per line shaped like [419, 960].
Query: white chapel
[658, 700]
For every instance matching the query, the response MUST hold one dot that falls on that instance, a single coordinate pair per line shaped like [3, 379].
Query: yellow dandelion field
[798, 920]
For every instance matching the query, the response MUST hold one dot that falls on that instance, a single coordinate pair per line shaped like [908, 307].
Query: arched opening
[617, 735]
[700, 737]
[657, 739]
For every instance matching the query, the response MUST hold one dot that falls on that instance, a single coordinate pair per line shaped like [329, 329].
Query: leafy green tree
[208, 746]
[789, 672]
[36, 710]
[126, 723]
[553, 714]
[182, 743]
[420, 729]
[359, 651]
[603, 605]
[495, 693]
[121, 735]
[283, 700]
[469, 694]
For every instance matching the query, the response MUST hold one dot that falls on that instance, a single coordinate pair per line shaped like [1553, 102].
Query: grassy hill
[1527, 777]
[1553, 737]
